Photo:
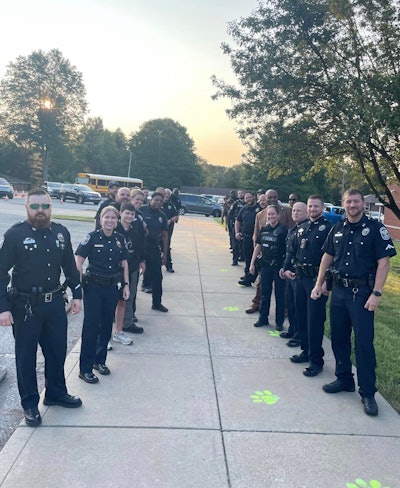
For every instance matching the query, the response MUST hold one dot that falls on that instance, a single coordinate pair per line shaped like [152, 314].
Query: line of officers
[126, 242]
[306, 262]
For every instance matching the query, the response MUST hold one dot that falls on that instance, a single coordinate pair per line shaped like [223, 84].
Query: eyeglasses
[36, 206]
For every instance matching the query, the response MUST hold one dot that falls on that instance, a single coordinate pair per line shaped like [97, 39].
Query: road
[12, 211]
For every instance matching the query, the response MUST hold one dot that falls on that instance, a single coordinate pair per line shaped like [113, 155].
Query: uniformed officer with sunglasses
[38, 250]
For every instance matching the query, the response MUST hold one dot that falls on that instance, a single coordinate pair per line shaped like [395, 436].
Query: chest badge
[365, 231]
[29, 240]
[322, 227]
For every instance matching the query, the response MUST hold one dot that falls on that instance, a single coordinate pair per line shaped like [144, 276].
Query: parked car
[6, 189]
[213, 198]
[334, 214]
[191, 203]
[52, 188]
[79, 193]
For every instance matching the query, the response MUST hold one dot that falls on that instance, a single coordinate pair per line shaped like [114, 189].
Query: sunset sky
[140, 59]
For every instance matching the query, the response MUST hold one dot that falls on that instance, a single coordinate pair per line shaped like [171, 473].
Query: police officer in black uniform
[38, 250]
[244, 228]
[172, 218]
[358, 251]
[157, 227]
[237, 254]
[113, 187]
[299, 215]
[103, 283]
[271, 243]
[302, 262]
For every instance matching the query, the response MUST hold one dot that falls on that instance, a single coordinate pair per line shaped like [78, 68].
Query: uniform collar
[361, 223]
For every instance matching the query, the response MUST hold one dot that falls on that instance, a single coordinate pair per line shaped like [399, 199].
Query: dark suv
[79, 193]
[192, 203]
[6, 190]
[52, 188]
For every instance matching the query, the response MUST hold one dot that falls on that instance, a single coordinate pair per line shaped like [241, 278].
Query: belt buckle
[346, 283]
[48, 297]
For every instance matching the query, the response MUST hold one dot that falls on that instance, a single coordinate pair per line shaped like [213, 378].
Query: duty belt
[348, 282]
[103, 279]
[306, 270]
[38, 296]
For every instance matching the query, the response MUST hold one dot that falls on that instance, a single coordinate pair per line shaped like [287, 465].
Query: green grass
[73, 217]
[387, 336]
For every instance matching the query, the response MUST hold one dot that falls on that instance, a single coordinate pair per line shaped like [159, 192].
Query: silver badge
[29, 240]
[365, 231]
[322, 227]
[160, 219]
[60, 237]
[384, 233]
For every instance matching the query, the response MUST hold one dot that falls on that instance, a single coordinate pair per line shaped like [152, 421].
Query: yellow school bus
[100, 183]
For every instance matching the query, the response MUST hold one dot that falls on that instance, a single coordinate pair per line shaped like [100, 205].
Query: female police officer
[271, 241]
[106, 252]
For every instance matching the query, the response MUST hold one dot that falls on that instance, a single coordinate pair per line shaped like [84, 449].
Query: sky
[140, 60]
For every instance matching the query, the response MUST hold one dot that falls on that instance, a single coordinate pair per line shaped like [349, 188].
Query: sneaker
[109, 347]
[122, 338]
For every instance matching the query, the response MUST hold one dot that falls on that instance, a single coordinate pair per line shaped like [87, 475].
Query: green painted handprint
[360, 483]
[264, 397]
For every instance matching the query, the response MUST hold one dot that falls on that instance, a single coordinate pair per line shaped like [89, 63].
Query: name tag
[99, 245]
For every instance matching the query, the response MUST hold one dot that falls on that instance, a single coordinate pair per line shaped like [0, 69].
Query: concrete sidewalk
[204, 399]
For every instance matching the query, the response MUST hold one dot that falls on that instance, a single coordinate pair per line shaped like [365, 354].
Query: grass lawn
[387, 336]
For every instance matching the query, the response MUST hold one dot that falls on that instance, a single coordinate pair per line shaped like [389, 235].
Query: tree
[102, 151]
[319, 83]
[43, 103]
[163, 154]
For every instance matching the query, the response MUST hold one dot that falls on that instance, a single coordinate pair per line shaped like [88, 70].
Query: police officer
[299, 214]
[38, 250]
[244, 228]
[237, 205]
[157, 227]
[113, 187]
[302, 262]
[172, 218]
[103, 284]
[271, 242]
[358, 250]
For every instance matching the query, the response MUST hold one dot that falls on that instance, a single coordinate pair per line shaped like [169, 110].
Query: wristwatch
[377, 293]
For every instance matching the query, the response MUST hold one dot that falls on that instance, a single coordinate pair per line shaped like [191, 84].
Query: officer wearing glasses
[38, 250]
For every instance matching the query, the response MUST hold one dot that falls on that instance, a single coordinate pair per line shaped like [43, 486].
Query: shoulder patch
[384, 233]
[85, 240]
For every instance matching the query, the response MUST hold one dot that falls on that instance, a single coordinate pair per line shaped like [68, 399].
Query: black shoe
[260, 323]
[312, 370]
[244, 283]
[234, 263]
[134, 318]
[102, 369]
[159, 308]
[89, 377]
[370, 406]
[170, 270]
[252, 310]
[337, 386]
[285, 335]
[300, 358]
[32, 417]
[133, 328]
[293, 343]
[279, 327]
[67, 401]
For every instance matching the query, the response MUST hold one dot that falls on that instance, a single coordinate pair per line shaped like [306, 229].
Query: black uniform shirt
[38, 256]
[289, 258]
[308, 242]
[169, 209]
[273, 244]
[247, 217]
[104, 253]
[135, 238]
[237, 205]
[156, 222]
[357, 247]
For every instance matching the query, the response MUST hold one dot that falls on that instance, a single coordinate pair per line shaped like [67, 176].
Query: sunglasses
[36, 206]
